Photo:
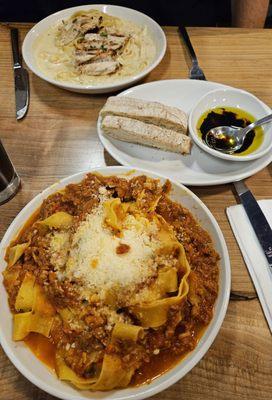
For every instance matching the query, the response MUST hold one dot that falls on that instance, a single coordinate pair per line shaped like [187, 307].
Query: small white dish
[129, 14]
[231, 98]
[36, 372]
[198, 168]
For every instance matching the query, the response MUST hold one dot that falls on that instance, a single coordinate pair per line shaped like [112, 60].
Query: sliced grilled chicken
[109, 42]
[99, 68]
[88, 24]
[104, 56]
[69, 31]
[116, 42]
[146, 111]
[110, 30]
[134, 131]
[92, 41]
[82, 57]
[96, 49]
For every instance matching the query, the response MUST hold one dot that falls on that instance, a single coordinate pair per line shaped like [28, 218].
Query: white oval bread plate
[197, 169]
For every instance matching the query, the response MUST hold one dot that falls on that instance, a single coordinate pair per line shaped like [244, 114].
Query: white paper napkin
[253, 254]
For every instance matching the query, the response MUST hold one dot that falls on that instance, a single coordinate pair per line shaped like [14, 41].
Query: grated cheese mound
[93, 259]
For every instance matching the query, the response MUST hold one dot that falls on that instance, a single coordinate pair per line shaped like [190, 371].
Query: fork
[195, 72]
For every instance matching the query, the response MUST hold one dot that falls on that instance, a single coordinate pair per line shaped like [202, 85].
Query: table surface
[58, 138]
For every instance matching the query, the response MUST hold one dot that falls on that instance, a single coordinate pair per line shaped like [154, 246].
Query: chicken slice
[67, 33]
[104, 56]
[92, 41]
[70, 30]
[82, 57]
[116, 42]
[99, 68]
[110, 30]
[88, 23]
[109, 42]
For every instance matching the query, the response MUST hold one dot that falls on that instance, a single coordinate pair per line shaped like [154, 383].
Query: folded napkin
[253, 253]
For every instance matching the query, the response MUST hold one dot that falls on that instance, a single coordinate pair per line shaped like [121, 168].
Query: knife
[257, 218]
[20, 78]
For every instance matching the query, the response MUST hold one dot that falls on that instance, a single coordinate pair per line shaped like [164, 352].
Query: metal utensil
[20, 78]
[257, 219]
[195, 71]
[229, 139]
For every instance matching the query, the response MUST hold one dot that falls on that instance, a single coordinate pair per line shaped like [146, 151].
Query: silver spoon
[229, 139]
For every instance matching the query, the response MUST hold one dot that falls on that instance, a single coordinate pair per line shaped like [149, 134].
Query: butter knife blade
[21, 80]
[21, 91]
[257, 219]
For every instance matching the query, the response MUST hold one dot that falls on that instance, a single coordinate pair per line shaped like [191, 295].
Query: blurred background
[237, 13]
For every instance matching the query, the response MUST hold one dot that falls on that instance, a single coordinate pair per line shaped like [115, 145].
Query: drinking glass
[9, 179]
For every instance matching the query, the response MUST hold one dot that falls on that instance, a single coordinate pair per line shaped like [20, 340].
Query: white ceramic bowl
[129, 14]
[37, 372]
[231, 98]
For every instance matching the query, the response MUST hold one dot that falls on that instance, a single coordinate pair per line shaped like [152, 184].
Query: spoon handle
[261, 121]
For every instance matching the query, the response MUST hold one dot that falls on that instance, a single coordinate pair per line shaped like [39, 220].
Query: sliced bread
[131, 130]
[146, 111]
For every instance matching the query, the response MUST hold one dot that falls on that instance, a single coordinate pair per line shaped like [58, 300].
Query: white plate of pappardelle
[40, 42]
[34, 370]
[197, 169]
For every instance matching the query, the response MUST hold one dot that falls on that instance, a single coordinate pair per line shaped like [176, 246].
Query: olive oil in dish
[231, 116]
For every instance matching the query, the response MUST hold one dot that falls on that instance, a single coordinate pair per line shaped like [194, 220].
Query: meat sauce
[45, 351]
[231, 116]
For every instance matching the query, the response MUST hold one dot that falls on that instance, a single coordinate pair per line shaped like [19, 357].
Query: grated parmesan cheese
[94, 261]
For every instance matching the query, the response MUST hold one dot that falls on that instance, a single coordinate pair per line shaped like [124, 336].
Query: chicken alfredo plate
[92, 47]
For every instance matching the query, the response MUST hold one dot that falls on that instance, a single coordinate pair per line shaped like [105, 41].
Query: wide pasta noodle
[59, 220]
[143, 198]
[127, 332]
[41, 304]
[25, 297]
[67, 374]
[15, 252]
[154, 313]
[115, 212]
[112, 374]
[167, 281]
[39, 318]
[24, 323]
